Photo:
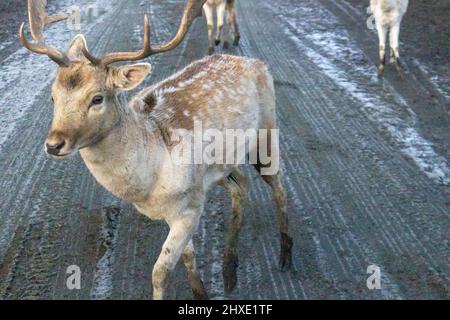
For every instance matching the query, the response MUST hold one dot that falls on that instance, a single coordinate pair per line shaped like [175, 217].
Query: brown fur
[204, 103]
[237, 185]
[150, 102]
[73, 77]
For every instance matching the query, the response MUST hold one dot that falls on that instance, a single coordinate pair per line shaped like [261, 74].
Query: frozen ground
[366, 163]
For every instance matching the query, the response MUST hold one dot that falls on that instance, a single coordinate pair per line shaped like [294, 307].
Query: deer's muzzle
[57, 145]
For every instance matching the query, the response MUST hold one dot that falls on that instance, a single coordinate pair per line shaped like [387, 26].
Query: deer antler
[192, 10]
[38, 19]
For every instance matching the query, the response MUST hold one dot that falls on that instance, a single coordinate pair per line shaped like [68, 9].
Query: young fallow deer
[127, 147]
[221, 6]
[388, 18]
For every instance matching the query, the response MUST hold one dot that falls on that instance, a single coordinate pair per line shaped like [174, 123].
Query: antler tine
[57, 56]
[38, 20]
[130, 56]
[191, 11]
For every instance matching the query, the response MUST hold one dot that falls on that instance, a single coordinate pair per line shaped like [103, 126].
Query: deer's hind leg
[273, 179]
[236, 183]
[227, 30]
[195, 281]
[279, 196]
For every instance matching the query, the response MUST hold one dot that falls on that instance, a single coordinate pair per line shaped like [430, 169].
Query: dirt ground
[12, 12]
[365, 161]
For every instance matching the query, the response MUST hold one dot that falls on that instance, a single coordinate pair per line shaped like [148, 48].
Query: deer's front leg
[181, 231]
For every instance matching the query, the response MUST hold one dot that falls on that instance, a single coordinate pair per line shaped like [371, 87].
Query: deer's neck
[127, 160]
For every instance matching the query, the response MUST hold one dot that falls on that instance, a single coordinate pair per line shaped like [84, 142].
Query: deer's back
[219, 91]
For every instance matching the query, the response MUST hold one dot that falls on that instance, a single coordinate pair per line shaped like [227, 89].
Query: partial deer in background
[388, 17]
[221, 6]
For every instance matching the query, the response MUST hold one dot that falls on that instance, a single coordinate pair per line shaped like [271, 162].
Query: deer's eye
[97, 100]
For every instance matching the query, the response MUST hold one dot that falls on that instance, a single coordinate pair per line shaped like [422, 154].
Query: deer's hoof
[286, 252]
[211, 50]
[236, 41]
[398, 64]
[217, 42]
[399, 67]
[226, 44]
[380, 71]
[200, 294]
[230, 265]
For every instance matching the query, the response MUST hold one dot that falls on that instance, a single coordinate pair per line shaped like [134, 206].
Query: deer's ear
[75, 52]
[130, 76]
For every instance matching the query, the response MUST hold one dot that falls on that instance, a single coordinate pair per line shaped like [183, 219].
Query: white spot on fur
[234, 110]
[218, 97]
[171, 90]
[160, 99]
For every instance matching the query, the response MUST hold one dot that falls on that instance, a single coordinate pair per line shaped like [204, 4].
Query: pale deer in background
[127, 147]
[222, 7]
[388, 18]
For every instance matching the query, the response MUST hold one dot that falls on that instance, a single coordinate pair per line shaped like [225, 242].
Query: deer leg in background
[232, 16]
[382, 33]
[208, 9]
[220, 20]
[394, 34]
[229, 23]
[227, 30]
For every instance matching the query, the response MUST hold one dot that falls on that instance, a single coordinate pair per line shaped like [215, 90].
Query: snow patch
[103, 282]
[5, 44]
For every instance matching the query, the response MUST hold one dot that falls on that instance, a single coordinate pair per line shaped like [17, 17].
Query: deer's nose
[55, 148]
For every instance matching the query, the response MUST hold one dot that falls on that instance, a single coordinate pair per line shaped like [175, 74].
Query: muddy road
[365, 162]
